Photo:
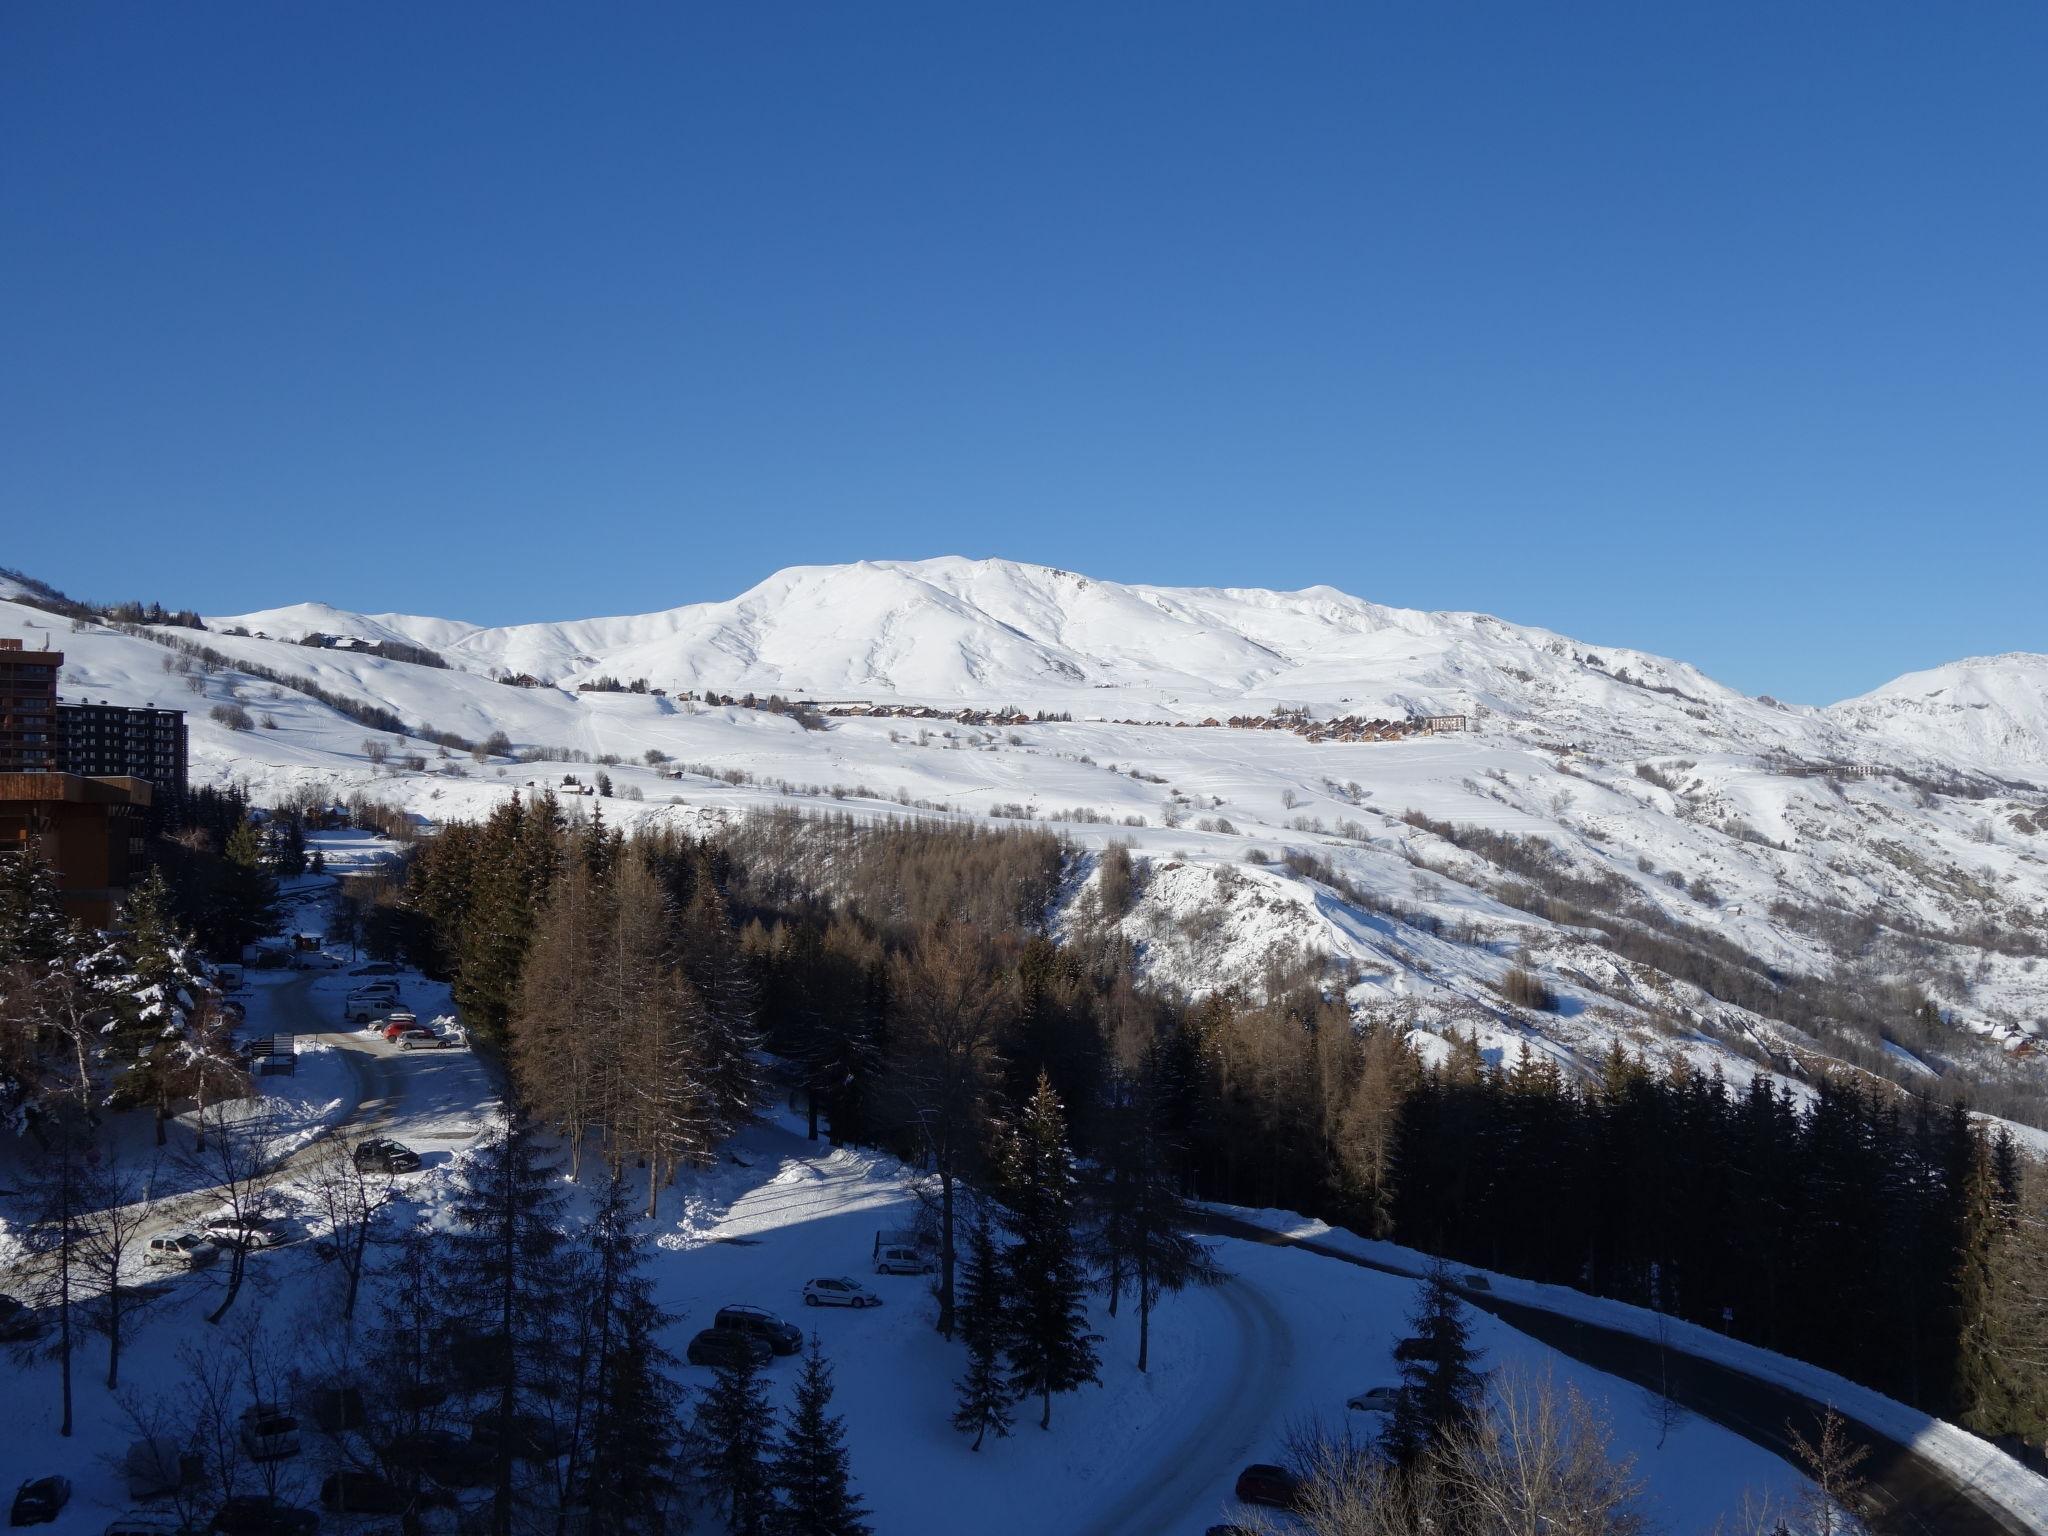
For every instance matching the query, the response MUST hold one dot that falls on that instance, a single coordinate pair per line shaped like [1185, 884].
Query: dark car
[535, 1437]
[257, 1514]
[382, 1156]
[783, 1338]
[362, 1493]
[728, 1346]
[1264, 1483]
[442, 1455]
[37, 1501]
[17, 1321]
[337, 1407]
[375, 968]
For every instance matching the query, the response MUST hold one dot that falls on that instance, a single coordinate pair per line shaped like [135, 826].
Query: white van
[894, 1260]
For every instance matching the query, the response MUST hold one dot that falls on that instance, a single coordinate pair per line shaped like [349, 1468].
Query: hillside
[1689, 870]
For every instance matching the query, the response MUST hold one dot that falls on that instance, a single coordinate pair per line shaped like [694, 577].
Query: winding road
[1909, 1494]
[1239, 1421]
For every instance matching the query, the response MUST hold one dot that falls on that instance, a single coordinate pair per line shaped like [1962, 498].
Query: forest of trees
[903, 970]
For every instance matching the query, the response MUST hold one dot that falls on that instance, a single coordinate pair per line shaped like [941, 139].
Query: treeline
[903, 972]
[375, 716]
[1866, 1232]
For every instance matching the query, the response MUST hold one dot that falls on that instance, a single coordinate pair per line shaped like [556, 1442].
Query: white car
[838, 1292]
[250, 1232]
[180, 1250]
[1375, 1400]
[269, 1432]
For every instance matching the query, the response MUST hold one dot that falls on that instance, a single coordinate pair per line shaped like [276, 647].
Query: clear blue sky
[1719, 330]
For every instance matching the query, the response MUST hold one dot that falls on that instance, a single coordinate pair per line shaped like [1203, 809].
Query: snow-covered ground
[1971, 1461]
[1286, 1339]
[1703, 807]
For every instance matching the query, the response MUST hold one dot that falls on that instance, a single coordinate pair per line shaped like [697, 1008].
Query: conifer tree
[1440, 1386]
[735, 1426]
[811, 1465]
[985, 1396]
[711, 958]
[634, 1425]
[1147, 1230]
[1049, 1349]
[244, 897]
[506, 1264]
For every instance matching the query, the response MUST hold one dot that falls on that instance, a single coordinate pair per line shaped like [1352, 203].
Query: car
[145, 1522]
[37, 1501]
[336, 1406]
[1473, 1282]
[230, 1231]
[160, 1465]
[837, 1291]
[423, 1040]
[350, 1492]
[1264, 1483]
[376, 968]
[442, 1455]
[896, 1259]
[380, 1155]
[178, 1250]
[396, 1024]
[727, 1346]
[366, 1003]
[257, 1514]
[535, 1436]
[1374, 1400]
[783, 1338]
[269, 1432]
[17, 1321]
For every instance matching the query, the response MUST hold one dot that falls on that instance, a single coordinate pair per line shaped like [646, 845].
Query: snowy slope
[1988, 710]
[1885, 835]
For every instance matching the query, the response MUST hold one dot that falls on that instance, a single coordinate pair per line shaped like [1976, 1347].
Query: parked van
[897, 1260]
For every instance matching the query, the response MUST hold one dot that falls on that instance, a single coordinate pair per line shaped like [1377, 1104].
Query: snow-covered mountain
[1900, 837]
[1987, 710]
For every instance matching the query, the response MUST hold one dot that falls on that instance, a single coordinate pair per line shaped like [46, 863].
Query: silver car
[839, 1292]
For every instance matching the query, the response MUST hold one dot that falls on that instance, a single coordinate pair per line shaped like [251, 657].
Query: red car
[398, 1024]
[1263, 1483]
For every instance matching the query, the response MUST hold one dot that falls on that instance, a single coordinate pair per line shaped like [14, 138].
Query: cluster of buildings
[77, 779]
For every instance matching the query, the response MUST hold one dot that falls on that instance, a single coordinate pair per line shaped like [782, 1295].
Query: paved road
[1167, 1497]
[1910, 1495]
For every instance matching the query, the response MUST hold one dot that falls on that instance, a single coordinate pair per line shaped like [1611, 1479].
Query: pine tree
[735, 1425]
[985, 1395]
[244, 899]
[33, 928]
[711, 958]
[811, 1465]
[1440, 1386]
[1050, 1349]
[626, 1378]
[1141, 1238]
[506, 1263]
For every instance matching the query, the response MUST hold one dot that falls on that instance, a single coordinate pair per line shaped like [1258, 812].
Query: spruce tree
[985, 1395]
[811, 1465]
[712, 960]
[626, 1378]
[506, 1262]
[1440, 1386]
[1049, 1349]
[735, 1425]
[244, 906]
